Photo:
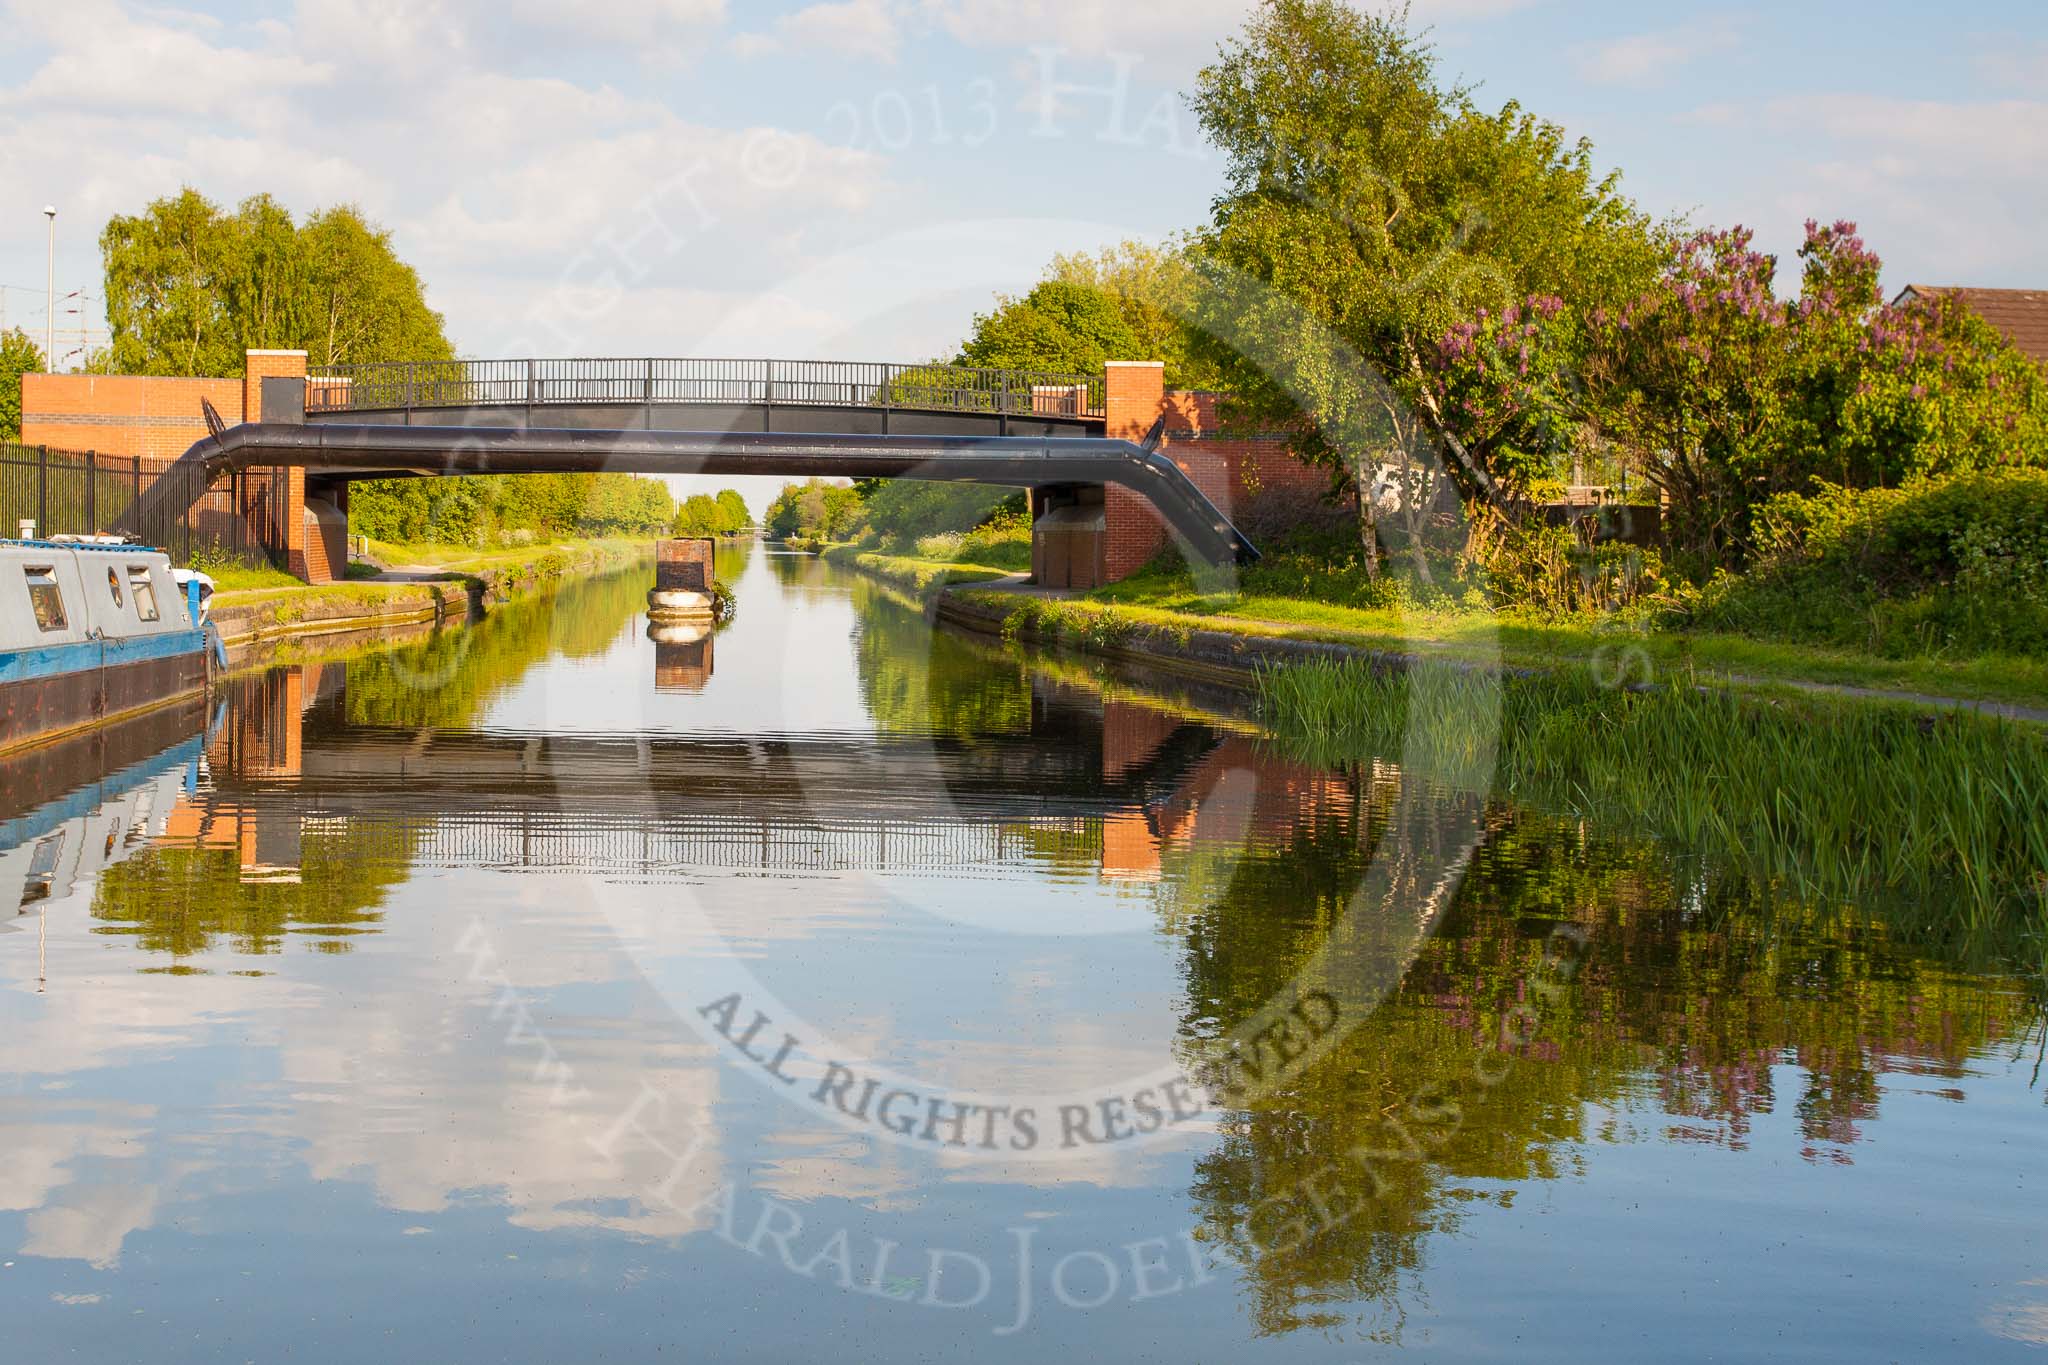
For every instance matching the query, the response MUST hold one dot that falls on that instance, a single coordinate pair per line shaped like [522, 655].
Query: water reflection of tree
[187, 902]
[448, 678]
[916, 680]
[1690, 994]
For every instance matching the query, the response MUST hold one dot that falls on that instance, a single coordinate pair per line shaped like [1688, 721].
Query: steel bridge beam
[345, 451]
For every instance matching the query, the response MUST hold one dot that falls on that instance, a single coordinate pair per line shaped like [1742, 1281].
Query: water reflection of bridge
[1110, 782]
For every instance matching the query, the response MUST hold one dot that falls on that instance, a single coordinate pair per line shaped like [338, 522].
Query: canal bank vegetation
[973, 526]
[509, 511]
[447, 579]
[1847, 485]
[911, 573]
[1163, 610]
[1947, 814]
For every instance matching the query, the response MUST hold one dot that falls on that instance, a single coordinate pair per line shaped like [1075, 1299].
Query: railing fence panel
[934, 387]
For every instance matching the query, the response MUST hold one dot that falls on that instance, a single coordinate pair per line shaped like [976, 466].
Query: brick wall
[258, 366]
[1230, 471]
[161, 418]
[326, 540]
[1134, 395]
[122, 414]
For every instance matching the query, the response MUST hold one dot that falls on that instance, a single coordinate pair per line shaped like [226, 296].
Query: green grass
[468, 558]
[916, 575]
[236, 577]
[1527, 641]
[545, 563]
[368, 593]
[1945, 817]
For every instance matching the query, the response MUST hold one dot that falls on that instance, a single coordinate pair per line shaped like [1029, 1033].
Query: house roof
[2022, 314]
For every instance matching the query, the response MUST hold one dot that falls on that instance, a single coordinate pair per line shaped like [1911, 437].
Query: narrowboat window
[144, 594]
[45, 596]
[114, 583]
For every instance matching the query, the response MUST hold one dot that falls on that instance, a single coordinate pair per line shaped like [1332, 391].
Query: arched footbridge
[717, 417]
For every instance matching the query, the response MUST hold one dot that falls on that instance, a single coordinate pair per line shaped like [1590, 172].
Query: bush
[1938, 564]
[1557, 569]
[944, 545]
[911, 509]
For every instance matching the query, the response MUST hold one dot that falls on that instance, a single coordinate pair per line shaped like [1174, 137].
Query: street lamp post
[50, 313]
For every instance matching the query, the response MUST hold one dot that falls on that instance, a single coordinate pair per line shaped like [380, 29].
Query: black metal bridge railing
[407, 385]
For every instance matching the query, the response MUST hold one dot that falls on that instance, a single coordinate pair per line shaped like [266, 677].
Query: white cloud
[1170, 37]
[1946, 191]
[2018, 65]
[852, 28]
[423, 35]
[615, 21]
[101, 60]
[495, 181]
[1644, 58]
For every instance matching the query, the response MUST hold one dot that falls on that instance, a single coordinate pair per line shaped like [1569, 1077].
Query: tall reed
[1824, 799]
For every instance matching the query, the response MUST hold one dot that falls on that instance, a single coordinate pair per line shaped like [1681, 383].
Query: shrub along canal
[835, 988]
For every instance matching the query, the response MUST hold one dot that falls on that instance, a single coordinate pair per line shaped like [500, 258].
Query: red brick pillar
[1134, 394]
[258, 366]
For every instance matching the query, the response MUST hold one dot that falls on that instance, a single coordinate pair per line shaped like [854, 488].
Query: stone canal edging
[1208, 655]
[1007, 610]
[366, 604]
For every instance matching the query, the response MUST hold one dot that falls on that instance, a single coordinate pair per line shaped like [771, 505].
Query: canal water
[840, 989]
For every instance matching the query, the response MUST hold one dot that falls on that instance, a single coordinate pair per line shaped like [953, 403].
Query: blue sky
[855, 178]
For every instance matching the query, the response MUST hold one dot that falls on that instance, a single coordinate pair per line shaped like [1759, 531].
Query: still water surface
[849, 991]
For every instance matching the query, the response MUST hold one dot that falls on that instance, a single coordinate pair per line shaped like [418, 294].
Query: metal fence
[770, 383]
[69, 492]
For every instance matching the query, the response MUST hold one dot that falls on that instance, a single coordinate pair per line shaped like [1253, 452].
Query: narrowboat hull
[47, 693]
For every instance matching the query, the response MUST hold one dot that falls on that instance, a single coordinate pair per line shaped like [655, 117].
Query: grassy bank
[1173, 607]
[1526, 640]
[911, 573]
[1947, 816]
[267, 608]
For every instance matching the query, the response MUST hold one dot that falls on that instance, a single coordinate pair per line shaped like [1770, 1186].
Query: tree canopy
[1061, 327]
[1369, 209]
[816, 508]
[18, 356]
[706, 514]
[509, 508]
[190, 288]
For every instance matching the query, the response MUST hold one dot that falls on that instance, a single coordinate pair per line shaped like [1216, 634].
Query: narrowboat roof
[124, 547]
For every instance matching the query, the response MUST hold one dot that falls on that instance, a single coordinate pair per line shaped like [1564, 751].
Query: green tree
[262, 276]
[190, 288]
[1059, 327]
[1154, 288]
[1368, 209]
[699, 516]
[1064, 326]
[737, 517]
[705, 514]
[1729, 395]
[18, 356]
[906, 509]
[166, 302]
[818, 509]
[365, 304]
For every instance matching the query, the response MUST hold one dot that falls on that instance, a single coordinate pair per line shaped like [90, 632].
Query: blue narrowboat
[92, 630]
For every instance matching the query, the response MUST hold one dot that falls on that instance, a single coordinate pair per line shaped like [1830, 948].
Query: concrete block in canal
[683, 582]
